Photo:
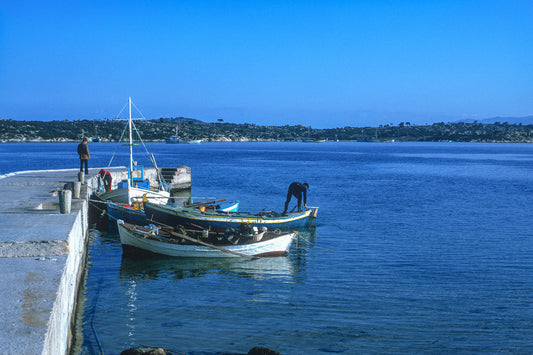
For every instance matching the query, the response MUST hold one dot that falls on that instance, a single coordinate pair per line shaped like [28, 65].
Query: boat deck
[221, 239]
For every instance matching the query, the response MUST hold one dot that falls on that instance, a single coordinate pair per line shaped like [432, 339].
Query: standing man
[83, 151]
[298, 190]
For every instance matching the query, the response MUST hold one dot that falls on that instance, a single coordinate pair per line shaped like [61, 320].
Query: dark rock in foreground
[147, 350]
[259, 350]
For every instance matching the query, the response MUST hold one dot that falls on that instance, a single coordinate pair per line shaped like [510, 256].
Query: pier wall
[43, 254]
[42, 258]
[59, 335]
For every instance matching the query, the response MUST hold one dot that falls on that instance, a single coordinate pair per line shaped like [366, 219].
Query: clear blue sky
[319, 63]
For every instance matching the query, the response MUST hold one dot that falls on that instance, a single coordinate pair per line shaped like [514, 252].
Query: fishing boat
[124, 211]
[217, 220]
[135, 213]
[136, 187]
[215, 205]
[174, 139]
[312, 140]
[193, 141]
[179, 242]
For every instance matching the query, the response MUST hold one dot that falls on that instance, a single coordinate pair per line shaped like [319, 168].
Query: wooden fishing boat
[179, 242]
[126, 212]
[135, 186]
[135, 213]
[215, 205]
[217, 220]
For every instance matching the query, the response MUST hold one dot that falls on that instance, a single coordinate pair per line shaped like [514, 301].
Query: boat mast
[131, 141]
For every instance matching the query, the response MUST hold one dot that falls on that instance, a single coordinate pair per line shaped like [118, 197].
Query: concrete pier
[42, 258]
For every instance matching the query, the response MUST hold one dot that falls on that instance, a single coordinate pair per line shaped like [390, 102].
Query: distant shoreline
[156, 131]
[269, 141]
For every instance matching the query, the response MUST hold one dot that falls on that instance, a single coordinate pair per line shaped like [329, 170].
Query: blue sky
[319, 63]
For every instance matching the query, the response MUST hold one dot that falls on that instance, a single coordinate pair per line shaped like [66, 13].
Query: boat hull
[219, 221]
[134, 241]
[227, 207]
[130, 194]
[127, 213]
[173, 140]
[230, 207]
[116, 211]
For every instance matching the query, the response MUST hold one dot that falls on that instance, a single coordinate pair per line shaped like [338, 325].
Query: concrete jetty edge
[43, 256]
[42, 259]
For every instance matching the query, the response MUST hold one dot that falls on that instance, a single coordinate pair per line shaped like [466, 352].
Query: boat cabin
[136, 176]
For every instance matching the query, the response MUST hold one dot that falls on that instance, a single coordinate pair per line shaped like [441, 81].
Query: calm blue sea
[419, 248]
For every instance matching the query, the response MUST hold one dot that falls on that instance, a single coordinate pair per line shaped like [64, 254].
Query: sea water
[419, 248]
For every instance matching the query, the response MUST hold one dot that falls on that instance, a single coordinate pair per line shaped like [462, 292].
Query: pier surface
[42, 256]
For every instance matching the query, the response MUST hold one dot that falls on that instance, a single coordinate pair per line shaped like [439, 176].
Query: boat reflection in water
[167, 267]
[172, 268]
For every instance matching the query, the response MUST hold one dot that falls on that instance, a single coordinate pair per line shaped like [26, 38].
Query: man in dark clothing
[83, 151]
[298, 190]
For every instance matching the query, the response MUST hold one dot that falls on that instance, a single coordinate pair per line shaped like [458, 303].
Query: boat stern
[312, 216]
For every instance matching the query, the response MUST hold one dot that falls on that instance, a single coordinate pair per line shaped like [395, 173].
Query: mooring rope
[102, 211]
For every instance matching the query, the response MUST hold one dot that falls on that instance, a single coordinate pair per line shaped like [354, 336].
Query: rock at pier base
[258, 350]
[144, 351]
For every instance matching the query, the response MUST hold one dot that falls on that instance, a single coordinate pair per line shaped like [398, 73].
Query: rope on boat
[151, 156]
[123, 108]
[118, 144]
[124, 131]
[204, 243]
[93, 204]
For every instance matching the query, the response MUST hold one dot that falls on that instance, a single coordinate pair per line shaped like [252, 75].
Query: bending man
[298, 190]
[106, 178]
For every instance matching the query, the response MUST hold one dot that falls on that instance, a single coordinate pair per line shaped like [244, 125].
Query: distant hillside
[189, 129]
[526, 120]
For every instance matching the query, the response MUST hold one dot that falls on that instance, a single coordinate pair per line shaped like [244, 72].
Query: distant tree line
[159, 129]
